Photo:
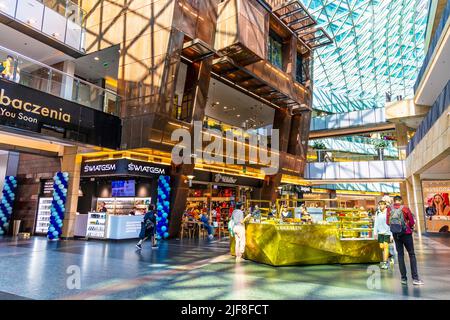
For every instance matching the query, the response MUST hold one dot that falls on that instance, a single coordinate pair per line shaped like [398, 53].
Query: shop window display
[437, 205]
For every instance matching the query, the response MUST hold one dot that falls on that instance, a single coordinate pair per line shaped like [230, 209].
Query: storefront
[113, 197]
[219, 192]
[437, 207]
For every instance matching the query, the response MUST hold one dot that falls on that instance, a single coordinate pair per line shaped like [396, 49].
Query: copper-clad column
[197, 82]
[281, 122]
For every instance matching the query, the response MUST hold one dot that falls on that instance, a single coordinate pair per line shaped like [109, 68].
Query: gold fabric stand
[284, 245]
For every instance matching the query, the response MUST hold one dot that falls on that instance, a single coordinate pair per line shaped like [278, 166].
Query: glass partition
[33, 74]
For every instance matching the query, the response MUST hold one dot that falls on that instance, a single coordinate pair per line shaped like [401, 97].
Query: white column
[67, 82]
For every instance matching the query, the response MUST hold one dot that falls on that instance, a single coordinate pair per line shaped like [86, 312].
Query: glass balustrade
[369, 154]
[33, 74]
[68, 9]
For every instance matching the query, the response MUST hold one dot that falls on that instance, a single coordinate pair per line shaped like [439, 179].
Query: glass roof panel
[378, 48]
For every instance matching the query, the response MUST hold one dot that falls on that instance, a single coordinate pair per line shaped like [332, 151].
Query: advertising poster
[437, 205]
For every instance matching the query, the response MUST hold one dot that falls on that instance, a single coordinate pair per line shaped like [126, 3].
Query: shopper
[148, 227]
[207, 226]
[273, 212]
[382, 232]
[7, 68]
[256, 213]
[103, 207]
[239, 230]
[401, 223]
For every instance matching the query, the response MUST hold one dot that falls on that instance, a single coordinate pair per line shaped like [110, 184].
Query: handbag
[230, 227]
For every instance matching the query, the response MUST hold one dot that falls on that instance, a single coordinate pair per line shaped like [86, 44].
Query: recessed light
[238, 115]
[96, 58]
[225, 107]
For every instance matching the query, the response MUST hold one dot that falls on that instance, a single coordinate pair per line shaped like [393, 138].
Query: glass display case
[353, 224]
[123, 206]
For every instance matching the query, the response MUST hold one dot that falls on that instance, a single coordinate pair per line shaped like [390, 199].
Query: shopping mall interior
[308, 115]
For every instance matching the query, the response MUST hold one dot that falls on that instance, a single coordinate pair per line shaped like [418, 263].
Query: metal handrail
[11, 52]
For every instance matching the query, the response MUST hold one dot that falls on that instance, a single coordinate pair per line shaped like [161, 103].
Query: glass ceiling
[378, 48]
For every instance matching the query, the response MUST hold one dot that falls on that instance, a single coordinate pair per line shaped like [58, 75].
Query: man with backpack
[401, 223]
[148, 227]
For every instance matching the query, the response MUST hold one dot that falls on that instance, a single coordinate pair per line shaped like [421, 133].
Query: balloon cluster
[163, 207]
[6, 206]
[58, 207]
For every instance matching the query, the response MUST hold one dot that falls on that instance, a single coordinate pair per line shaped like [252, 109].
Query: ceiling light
[225, 107]
[238, 115]
[96, 58]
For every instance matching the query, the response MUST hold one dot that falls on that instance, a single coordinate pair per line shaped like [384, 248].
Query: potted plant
[380, 146]
[319, 146]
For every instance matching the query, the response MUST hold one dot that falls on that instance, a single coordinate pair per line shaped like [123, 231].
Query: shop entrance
[216, 201]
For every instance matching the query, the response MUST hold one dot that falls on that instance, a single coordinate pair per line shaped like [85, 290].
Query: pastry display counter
[284, 244]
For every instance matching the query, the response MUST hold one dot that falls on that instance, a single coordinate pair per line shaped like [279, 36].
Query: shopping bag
[231, 227]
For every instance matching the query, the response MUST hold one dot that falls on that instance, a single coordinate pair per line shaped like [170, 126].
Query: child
[382, 232]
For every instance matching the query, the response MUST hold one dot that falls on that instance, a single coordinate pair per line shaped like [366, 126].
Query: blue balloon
[1, 231]
[163, 197]
[165, 215]
[51, 229]
[163, 228]
[55, 233]
[166, 234]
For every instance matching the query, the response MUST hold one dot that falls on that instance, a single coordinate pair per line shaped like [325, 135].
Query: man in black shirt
[148, 227]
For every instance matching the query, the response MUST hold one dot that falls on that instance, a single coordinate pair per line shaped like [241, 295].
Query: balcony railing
[61, 20]
[36, 75]
[349, 119]
[358, 170]
[330, 155]
[437, 35]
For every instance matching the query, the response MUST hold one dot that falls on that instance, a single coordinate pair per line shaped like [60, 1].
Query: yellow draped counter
[288, 244]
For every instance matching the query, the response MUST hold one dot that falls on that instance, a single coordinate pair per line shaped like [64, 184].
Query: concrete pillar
[71, 163]
[9, 163]
[415, 201]
[67, 82]
[401, 132]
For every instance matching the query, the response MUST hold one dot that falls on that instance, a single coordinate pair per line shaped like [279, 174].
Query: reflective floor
[193, 269]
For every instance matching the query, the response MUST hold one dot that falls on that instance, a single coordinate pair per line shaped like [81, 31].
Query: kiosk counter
[284, 244]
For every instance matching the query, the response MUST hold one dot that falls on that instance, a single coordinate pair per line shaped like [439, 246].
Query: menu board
[123, 188]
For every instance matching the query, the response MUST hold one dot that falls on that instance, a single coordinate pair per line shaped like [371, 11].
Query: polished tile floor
[193, 269]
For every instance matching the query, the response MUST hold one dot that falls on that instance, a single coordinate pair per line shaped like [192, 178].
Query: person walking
[239, 230]
[382, 232]
[148, 227]
[401, 222]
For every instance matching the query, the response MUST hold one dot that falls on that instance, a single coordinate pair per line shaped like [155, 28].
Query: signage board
[24, 108]
[122, 167]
